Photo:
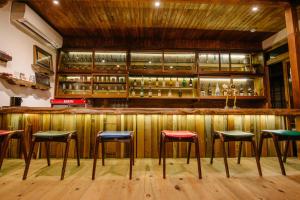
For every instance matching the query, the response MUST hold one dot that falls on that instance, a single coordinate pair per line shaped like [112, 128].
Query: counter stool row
[166, 136]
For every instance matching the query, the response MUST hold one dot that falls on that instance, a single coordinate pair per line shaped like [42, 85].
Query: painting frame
[42, 58]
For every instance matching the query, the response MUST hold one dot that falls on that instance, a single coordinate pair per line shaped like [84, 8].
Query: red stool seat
[179, 134]
[5, 132]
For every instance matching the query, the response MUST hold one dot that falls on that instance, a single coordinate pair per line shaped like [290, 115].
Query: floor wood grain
[112, 180]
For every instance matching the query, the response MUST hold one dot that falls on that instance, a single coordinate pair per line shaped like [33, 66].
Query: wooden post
[293, 33]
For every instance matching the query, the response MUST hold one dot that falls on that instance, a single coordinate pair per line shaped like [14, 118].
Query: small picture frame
[42, 58]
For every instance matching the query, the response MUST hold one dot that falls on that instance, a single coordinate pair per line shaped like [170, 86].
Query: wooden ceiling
[173, 20]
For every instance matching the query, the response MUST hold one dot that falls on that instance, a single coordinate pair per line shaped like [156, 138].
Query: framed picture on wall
[42, 60]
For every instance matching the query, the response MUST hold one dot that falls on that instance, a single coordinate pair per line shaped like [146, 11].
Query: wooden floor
[112, 180]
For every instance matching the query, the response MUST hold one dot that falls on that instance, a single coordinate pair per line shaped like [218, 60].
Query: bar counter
[147, 123]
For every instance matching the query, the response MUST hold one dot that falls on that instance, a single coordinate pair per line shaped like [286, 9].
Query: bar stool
[53, 136]
[277, 136]
[5, 137]
[113, 136]
[229, 136]
[179, 136]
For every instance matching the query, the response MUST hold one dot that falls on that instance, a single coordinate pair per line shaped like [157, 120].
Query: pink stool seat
[179, 134]
[4, 132]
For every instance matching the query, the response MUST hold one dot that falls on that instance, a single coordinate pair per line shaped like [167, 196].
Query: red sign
[68, 101]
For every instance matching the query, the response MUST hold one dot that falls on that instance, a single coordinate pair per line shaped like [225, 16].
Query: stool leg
[29, 159]
[48, 152]
[189, 152]
[65, 160]
[103, 151]
[212, 149]
[164, 158]
[4, 149]
[77, 150]
[256, 157]
[261, 141]
[160, 149]
[24, 149]
[225, 159]
[95, 158]
[198, 157]
[275, 140]
[240, 152]
[130, 163]
[287, 144]
[132, 151]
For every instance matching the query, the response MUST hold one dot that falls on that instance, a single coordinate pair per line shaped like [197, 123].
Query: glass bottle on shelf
[169, 93]
[159, 93]
[249, 91]
[150, 82]
[132, 92]
[191, 82]
[177, 83]
[232, 88]
[241, 90]
[142, 81]
[156, 82]
[209, 90]
[142, 92]
[164, 82]
[217, 92]
[202, 91]
[150, 92]
[180, 93]
[134, 82]
[170, 82]
[183, 82]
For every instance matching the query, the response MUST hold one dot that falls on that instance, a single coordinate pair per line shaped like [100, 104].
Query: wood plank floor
[112, 180]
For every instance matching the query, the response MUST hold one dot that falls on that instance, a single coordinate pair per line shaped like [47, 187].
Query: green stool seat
[52, 134]
[287, 133]
[235, 133]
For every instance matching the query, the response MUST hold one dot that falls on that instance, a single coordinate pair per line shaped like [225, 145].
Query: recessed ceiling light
[56, 2]
[157, 3]
[254, 8]
[253, 30]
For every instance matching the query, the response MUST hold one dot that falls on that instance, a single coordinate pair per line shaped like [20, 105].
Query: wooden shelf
[42, 70]
[110, 83]
[162, 97]
[232, 97]
[163, 88]
[5, 57]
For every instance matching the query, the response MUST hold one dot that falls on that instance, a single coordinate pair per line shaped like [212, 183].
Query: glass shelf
[146, 61]
[179, 61]
[110, 61]
[73, 61]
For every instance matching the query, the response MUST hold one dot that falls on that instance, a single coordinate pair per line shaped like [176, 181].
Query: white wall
[20, 46]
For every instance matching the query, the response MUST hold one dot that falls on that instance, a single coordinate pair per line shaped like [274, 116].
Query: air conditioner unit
[29, 21]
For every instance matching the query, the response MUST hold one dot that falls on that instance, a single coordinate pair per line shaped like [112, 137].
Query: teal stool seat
[115, 134]
[287, 133]
[52, 134]
[235, 133]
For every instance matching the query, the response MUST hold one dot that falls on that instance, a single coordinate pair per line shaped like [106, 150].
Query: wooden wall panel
[147, 130]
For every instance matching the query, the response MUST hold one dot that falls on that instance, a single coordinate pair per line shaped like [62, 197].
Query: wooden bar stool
[229, 136]
[5, 137]
[113, 136]
[179, 136]
[53, 136]
[278, 136]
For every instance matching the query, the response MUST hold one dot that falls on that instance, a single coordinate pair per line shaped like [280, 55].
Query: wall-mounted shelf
[5, 57]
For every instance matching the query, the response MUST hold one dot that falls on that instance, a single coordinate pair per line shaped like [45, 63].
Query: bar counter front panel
[147, 125]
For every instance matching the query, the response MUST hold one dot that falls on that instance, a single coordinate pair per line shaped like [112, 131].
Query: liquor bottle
[170, 82]
[134, 82]
[180, 93]
[150, 82]
[169, 93]
[241, 90]
[142, 92]
[159, 93]
[255, 93]
[217, 92]
[209, 90]
[177, 83]
[142, 81]
[191, 83]
[232, 88]
[202, 91]
[156, 82]
[164, 82]
[249, 91]
[150, 92]
[183, 82]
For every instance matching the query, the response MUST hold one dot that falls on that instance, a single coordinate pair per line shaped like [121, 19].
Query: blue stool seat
[115, 134]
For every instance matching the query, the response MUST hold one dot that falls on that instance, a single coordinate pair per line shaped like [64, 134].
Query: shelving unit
[165, 75]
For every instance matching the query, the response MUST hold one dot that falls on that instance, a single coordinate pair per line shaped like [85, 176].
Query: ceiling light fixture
[56, 2]
[253, 30]
[157, 4]
[254, 8]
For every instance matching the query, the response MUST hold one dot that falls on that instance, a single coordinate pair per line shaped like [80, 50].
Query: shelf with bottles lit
[235, 63]
[179, 62]
[109, 86]
[145, 61]
[74, 85]
[75, 61]
[110, 62]
[231, 87]
[163, 87]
